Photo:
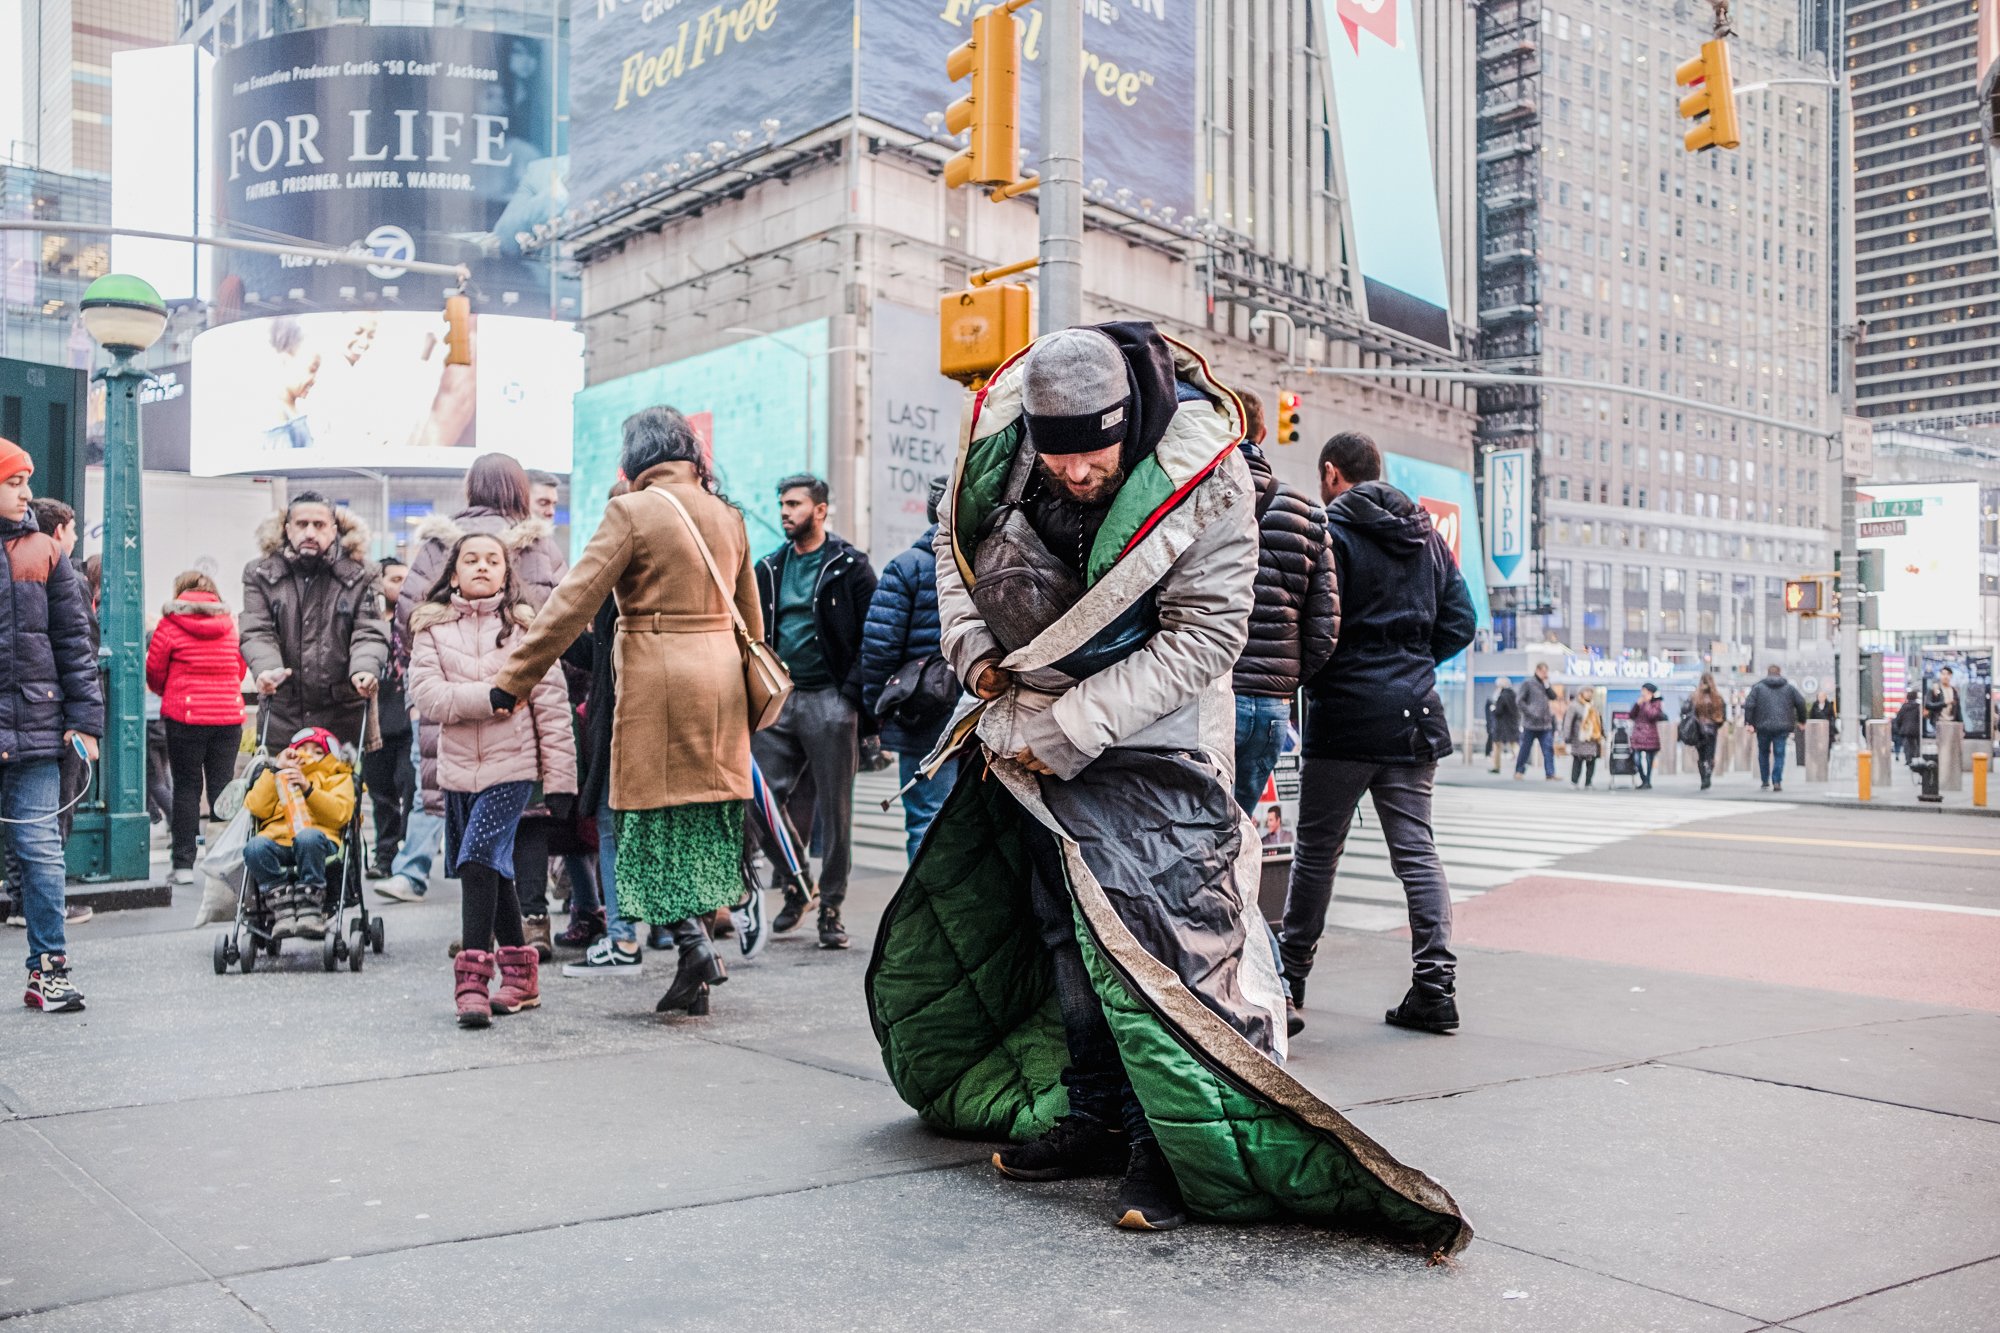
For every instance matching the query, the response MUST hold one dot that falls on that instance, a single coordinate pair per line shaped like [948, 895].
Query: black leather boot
[700, 968]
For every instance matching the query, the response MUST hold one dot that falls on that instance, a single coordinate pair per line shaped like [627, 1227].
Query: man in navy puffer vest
[49, 699]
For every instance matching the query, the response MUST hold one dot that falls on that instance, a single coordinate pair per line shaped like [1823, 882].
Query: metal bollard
[1864, 773]
[1980, 762]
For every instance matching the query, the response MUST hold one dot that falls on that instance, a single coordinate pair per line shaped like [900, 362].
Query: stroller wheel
[375, 934]
[329, 951]
[248, 957]
[356, 954]
[221, 954]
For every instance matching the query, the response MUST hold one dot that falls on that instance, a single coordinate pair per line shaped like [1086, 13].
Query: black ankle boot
[699, 969]
[1425, 1009]
[1295, 997]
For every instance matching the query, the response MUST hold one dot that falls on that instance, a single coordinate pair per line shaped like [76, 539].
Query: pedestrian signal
[1805, 596]
[1712, 103]
[990, 109]
[980, 328]
[458, 330]
[1288, 418]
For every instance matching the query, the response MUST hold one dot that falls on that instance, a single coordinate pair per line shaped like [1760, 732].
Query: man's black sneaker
[793, 912]
[1424, 1010]
[49, 987]
[1294, 1025]
[1149, 1198]
[832, 935]
[1295, 1000]
[1073, 1148]
[1777, 786]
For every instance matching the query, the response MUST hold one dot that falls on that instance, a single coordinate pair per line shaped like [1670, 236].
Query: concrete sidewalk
[292, 1150]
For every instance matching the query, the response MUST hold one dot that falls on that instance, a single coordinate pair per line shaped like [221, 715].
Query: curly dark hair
[510, 589]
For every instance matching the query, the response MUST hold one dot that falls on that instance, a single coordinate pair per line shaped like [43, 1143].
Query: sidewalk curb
[1852, 803]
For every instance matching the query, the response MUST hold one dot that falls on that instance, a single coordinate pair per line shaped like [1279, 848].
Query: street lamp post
[126, 316]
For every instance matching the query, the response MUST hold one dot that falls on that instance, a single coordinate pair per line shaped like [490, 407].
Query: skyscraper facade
[1665, 529]
[1927, 267]
[65, 90]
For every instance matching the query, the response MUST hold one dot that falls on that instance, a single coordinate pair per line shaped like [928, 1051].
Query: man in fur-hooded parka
[310, 608]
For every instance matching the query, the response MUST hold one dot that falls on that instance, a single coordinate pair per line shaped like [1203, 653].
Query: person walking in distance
[49, 701]
[815, 592]
[900, 643]
[1538, 722]
[677, 556]
[1503, 722]
[1583, 733]
[1375, 724]
[1646, 717]
[196, 667]
[1907, 731]
[492, 751]
[1774, 709]
[390, 776]
[1824, 709]
[1296, 619]
[1702, 717]
[311, 627]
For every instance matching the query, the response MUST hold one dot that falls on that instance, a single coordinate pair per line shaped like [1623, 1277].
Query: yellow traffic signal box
[1712, 104]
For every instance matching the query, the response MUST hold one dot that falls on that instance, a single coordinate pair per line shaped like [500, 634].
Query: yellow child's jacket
[329, 801]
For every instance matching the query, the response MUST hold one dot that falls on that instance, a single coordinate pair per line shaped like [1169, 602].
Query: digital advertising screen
[1446, 494]
[361, 389]
[429, 144]
[760, 405]
[1139, 84]
[652, 81]
[1385, 149]
[1928, 533]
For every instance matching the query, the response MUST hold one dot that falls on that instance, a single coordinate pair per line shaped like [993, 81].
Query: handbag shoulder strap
[707, 557]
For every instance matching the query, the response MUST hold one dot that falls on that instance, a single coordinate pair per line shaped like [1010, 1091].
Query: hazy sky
[12, 60]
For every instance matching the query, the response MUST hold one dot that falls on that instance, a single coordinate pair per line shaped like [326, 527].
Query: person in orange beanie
[49, 700]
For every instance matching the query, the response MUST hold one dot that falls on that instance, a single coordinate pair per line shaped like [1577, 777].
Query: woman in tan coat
[680, 744]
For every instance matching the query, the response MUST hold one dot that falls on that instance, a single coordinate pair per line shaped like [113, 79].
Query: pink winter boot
[473, 969]
[520, 979]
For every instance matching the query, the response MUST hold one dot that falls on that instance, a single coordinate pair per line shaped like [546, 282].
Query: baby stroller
[257, 906]
[773, 840]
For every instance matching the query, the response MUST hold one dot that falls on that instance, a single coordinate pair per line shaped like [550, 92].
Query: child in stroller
[302, 805]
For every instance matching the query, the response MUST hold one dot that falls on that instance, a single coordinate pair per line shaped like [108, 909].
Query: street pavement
[1725, 1068]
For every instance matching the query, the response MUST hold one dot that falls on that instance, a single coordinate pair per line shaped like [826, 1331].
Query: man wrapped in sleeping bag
[1074, 962]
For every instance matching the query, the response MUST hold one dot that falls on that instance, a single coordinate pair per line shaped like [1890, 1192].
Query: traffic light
[1712, 104]
[990, 108]
[1806, 597]
[458, 330]
[980, 328]
[1288, 418]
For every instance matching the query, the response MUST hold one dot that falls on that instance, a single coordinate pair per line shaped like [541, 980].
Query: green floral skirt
[680, 861]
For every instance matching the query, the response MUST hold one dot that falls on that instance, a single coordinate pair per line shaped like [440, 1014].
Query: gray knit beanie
[1074, 388]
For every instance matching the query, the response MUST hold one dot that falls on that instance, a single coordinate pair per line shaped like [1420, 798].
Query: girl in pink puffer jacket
[489, 763]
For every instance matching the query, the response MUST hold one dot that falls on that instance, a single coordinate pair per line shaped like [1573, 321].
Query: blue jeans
[271, 862]
[616, 926]
[423, 833]
[1547, 737]
[1642, 761]
[1260, 738]
[1771, 756]
[922, 802]
[31, 791]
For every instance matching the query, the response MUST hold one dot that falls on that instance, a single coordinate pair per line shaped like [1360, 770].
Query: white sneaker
[401, 888]
[183, 878]
[605, 959]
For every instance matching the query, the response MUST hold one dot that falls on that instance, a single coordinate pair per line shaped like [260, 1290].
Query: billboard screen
[1139, 84]
[1446, 495]
[162, 113]
[760, 404]
[432, 144]
[1928, 533]
[913, 420]
[652, 81]
[1385, 150]
[342, 390]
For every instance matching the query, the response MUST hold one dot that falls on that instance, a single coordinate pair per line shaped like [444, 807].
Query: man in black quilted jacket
[1296, 619]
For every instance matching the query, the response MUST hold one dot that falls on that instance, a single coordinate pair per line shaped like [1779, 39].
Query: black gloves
[502, 701]
[562, 806]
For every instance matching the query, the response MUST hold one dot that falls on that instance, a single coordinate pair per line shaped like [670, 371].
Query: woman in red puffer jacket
[196, 667]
